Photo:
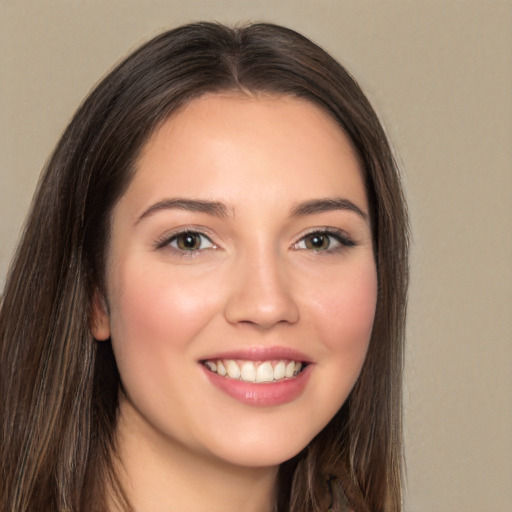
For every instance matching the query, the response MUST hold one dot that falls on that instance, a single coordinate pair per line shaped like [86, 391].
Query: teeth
[251, 371]
[290, 369]
[265, 372]
[221, 369]
[279, 370]
[211, 366]
[232, 369]
[248, 372]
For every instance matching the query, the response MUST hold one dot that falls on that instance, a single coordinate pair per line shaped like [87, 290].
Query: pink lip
[260, 354]
[265, 394]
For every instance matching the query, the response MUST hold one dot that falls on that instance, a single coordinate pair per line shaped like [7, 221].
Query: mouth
[259, 376]
[259, 372]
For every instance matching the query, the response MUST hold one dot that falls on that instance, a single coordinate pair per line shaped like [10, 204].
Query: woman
[206, 310]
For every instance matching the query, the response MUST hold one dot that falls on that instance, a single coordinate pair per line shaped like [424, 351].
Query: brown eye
[190, 241]
[325, 241]
[317, 242]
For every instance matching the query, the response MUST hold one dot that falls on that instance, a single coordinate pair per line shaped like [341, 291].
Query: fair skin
[243, 241]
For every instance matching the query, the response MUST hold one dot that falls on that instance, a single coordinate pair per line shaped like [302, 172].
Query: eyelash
[340, 237]
[168, 241]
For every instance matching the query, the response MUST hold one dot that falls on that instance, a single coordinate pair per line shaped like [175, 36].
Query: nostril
[249, 309]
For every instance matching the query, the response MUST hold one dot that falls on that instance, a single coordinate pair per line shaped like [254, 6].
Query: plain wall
[440, 75]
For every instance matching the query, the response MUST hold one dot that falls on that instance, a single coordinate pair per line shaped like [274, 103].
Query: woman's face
[241, 280]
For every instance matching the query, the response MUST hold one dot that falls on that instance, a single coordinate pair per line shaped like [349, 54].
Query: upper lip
[258, 353]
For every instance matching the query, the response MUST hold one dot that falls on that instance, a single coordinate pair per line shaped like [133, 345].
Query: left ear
[99, 322]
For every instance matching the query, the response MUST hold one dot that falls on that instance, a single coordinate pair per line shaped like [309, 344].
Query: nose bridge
[260, 289]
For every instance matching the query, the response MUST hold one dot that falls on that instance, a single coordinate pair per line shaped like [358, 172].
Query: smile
[255, 371]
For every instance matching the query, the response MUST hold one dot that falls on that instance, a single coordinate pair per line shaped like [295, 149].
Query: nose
[261, 294]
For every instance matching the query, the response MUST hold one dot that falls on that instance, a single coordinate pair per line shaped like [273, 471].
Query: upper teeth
[251, 371]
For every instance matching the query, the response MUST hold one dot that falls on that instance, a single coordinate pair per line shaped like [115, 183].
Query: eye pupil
[317, 242]
[188, 241]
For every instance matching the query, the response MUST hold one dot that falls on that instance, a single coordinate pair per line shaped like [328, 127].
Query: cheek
[159, 305]
[155, 318]
[345, 312]
[340, 316]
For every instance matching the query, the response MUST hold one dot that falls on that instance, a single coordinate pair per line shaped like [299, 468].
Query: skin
[254, 280]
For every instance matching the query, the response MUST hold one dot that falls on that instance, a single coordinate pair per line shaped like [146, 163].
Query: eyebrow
[218, 209]
[327, 205]
[214, 208]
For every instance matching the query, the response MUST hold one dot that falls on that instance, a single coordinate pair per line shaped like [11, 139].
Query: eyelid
[344, 240]
[166, 239]
[201, 237]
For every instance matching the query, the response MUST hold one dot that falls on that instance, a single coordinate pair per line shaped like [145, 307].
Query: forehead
[221, 145]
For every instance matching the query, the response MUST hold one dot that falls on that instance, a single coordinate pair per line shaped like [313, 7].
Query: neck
[161, 475]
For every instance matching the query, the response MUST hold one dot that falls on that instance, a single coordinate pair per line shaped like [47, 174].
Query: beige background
[440, 74]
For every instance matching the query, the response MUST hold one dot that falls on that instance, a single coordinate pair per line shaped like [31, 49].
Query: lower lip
[264, 394]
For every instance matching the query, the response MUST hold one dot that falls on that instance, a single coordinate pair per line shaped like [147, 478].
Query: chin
[264, 449]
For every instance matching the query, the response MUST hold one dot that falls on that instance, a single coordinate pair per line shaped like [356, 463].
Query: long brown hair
[59, 387]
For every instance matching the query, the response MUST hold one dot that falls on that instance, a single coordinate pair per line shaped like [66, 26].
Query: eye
[324, 241]
[190, 241]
